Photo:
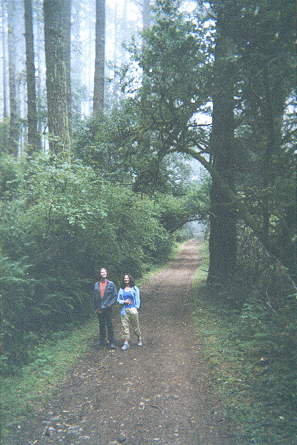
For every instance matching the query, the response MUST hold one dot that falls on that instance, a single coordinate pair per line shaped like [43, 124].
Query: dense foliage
[249, 339]
[60, 222]
[225, 60]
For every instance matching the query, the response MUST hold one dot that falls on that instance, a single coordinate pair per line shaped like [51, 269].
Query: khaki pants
[131, 317]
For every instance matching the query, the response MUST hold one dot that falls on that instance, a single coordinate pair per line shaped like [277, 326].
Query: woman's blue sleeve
[137, 297]
[120, 298]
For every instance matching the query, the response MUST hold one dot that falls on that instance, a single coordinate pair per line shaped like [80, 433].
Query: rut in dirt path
[155, 394]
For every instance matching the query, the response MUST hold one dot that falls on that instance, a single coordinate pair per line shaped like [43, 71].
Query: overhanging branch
[242, 209]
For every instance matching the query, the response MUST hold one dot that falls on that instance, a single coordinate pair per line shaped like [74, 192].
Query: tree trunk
[67, 22]
[4, 83]
[76, 60]
[98, 102]
[146, 14]
[123, 34]
[14, 128]
[57, 74]
[34, 143]
[39, 38]
[222, 240]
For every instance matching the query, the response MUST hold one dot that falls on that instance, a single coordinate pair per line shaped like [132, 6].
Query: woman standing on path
[129, 297]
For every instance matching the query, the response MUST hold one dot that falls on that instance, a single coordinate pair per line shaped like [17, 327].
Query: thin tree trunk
[38, 56]
[14, 128]
[76, 59]
[123, 33]
[34, 142]
[4, 64]
[146, 14]
[98, 101]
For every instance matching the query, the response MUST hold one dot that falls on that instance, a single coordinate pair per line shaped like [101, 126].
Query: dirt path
[155, 394]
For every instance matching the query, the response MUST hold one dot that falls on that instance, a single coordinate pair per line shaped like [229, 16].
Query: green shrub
[59, 223]
[252, 350]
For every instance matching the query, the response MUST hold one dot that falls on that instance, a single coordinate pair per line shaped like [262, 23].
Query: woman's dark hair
[131, 281]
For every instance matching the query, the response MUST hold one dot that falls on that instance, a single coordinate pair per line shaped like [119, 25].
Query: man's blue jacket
[109, 297]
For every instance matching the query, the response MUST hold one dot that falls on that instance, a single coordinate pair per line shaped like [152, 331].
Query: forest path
[155, 394]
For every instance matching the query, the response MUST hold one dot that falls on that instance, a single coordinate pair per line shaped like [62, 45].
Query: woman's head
[127, 279]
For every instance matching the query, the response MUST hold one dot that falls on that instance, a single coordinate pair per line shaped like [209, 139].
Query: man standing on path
[105, 295]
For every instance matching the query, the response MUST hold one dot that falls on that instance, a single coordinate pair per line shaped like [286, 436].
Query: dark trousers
[105, 321]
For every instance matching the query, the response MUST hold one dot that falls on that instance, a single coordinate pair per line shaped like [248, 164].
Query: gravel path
[155, 394]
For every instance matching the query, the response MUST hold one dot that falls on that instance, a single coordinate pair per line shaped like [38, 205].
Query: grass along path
[23, 395]
[256, 393]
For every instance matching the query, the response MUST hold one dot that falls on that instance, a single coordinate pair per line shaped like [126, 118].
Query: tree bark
[67, 23]
[222, 240]
[76, 60]
[279, 251]
[98, 101]
[34, 142]
[57, 74]
[14, 128]
[4, 83]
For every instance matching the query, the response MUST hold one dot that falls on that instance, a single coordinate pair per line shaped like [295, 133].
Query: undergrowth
[28, 387]
[252, 355]
[24, 394]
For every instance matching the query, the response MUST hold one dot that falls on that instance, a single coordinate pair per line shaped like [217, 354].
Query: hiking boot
[139, 343]
[125, 346]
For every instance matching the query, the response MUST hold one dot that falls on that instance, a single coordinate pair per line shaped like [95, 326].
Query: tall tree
[56, 38]
[99, 78]
[4, 67]
[14, 126]
[146, 14]
[177, 86]
[67, 24]
[123, 33]
[76, 61]
[144, 5]
[40, 65]
[222, 239]
[34, 142]
[259, 47]
[265, 37]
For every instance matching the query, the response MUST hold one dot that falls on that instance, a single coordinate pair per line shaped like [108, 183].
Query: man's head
[103, 273]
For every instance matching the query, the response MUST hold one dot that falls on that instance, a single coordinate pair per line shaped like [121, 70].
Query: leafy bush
[14, 296]
[251, 347]
[61, 226]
